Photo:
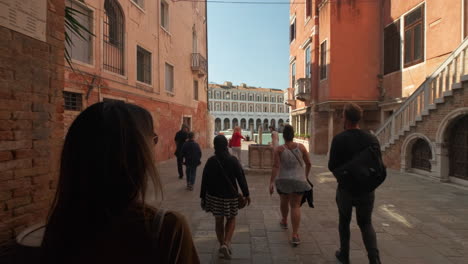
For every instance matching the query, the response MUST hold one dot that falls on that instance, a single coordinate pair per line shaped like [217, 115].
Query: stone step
[456, 86]
[439, 100]
[464, 78]
[448, 93]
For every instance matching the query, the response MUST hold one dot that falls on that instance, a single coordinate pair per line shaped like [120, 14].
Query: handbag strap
[300, 163]
[225, 175]
[157, 224]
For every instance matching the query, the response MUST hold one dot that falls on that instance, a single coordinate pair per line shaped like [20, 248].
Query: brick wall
[428, 126]
[31, 123]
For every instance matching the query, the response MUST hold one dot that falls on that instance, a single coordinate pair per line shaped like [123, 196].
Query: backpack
[364, 172]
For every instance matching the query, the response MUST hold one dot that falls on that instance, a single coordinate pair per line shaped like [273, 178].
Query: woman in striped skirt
[219, 192]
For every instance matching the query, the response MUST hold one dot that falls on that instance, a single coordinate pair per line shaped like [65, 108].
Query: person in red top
[235, 143]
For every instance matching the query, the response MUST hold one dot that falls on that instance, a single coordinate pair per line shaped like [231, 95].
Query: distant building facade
[246, 106]
[150, 53]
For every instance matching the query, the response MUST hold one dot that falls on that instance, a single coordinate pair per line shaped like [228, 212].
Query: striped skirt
[226, 207]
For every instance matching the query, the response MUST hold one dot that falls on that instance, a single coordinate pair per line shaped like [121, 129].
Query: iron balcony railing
[199, 64]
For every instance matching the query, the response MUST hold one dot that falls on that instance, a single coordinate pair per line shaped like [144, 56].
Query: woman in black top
[219, 192]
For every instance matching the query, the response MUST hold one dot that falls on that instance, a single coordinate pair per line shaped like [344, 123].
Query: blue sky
[249, 44]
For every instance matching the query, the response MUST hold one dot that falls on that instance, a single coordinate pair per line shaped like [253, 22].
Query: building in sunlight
[246, 106]
[404, 62]
[151, 53]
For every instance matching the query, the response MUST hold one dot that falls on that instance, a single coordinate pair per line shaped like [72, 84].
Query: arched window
[273, 110]
[242, 97]
[227, 108]
[234, 96]
[234, 107]
[250, 108]
[218, 124]
[265, 99]
[218, 107]
[258, 108]
[266, 109]
[113, 50]
[228, 96]
[273, 99]
[218, 95]
[250, 97]
[280, 110]
[258, 98]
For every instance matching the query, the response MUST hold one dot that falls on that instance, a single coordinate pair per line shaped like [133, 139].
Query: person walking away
[291, 167]
[219, 192]
[191, 155]
[101, 213]
[235, 143]
[180, 138]
[274, 137]
[343, 148]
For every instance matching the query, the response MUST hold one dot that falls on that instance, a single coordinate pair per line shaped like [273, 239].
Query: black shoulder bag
[364, 172]
[242, 201]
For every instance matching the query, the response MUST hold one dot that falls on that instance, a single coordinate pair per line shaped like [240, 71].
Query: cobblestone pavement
[418, 221]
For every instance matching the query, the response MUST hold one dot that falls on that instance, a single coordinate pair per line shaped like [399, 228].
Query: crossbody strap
[157, 224]
[225, 175]
[300, 163]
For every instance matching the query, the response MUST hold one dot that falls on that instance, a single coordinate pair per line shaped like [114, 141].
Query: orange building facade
[151, 53]
[373, 53]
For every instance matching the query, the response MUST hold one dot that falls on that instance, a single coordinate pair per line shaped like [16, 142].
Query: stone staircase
[447, 78]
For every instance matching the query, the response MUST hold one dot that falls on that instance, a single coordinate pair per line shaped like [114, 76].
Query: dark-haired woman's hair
[221, 147]
[288, 133]
[106, 164]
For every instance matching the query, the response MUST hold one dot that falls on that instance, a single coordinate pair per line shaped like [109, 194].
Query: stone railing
[302, 89]
[447, 76]
[199, 64]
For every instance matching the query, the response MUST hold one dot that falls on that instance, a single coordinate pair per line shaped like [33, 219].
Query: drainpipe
[207, 79]
[382, 65]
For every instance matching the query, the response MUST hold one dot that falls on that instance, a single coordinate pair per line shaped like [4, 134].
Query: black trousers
[180, 168]
[364, 205]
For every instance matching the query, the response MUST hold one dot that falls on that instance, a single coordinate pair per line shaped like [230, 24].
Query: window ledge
[144, 86]
[166, 30]
[139, 7]
[169, 93]
[81, 63]
[115, 74]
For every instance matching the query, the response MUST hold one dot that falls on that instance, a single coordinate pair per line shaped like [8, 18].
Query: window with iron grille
[195, 90]
[169, 80]
[292, 31]
[113, 50]
[81, 47]
[73, 101]
[143, 65]
[392, 48]
[414, 37]
[323, 60]
[164, 14]
[458, 149]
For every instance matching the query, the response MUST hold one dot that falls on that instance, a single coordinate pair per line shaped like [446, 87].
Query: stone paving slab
[418, 221]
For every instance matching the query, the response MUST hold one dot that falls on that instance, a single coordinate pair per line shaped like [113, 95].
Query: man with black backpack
[355, 161]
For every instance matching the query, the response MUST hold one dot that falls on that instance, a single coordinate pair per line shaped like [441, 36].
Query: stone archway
[443, 142]
[265, 125]
[251, 124]
[458, 149]
[217, 124]
[235, 123]
[273, 123]
[243, 123]
[258, 124]
[227, 124]
[417, 152]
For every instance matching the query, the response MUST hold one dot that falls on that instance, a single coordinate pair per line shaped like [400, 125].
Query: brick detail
[31, 77]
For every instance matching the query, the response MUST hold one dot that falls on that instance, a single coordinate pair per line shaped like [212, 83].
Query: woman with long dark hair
[219, 192]
[100, 214]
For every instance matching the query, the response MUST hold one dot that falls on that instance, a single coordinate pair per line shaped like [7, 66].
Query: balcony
[199, 64]
[289, 98]
[302, 89]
